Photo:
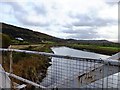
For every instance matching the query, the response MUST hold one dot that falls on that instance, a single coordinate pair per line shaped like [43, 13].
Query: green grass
[108, 50]
[26, 46]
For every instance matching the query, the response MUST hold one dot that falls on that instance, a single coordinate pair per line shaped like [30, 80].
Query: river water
[61, 70]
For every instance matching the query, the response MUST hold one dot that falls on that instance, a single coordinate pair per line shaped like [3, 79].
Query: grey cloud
[40, 9]
[83, 30]
[85, 20]
[21, 14]
[83, 36]
[30, 23]
[70, 31]
[87, 33]
[16, 7]
[67, 26]
[112, 3]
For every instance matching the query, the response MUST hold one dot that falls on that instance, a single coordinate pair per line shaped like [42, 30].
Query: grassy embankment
[107, 50]
[29, 66]
[101, 49]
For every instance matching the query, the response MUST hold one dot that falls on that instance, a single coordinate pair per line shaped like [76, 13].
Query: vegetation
[18, 42]
[107, 50]
[5, 40]
[29, 66]
[36, 47]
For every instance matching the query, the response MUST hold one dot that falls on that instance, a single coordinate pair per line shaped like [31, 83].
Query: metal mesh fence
[75, 72]
[68, 73]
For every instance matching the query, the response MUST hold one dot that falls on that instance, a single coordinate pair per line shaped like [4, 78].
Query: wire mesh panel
[75, 72]
[109, 79]
[71, 73]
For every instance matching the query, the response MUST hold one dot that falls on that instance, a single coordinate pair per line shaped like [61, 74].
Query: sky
[68, 19]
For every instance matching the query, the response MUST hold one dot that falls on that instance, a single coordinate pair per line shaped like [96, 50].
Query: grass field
[107, 50]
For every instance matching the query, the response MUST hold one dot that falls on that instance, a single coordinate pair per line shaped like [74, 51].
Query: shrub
[5, 40]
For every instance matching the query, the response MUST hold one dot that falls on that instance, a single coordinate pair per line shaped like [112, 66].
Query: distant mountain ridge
[37, 37]
[90, 41]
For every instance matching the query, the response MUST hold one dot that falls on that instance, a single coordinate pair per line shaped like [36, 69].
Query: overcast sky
[77, 19]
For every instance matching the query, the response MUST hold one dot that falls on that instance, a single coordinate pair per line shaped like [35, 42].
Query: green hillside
[26, 34]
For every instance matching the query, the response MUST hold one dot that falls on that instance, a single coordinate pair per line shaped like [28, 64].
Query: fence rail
[106, 61]
[76, 72]
[22, 79]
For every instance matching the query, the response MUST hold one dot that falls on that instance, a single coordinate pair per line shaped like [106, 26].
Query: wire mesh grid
[71, 73]
[80, 72]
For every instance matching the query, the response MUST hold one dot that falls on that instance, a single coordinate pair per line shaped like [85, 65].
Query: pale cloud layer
[78, 19]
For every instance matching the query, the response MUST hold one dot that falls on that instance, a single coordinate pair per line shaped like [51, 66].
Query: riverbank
[106, 50]
[30, 66]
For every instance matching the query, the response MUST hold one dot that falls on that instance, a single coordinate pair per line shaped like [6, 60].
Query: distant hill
[89, 41]
[38, 37]
[26, 34]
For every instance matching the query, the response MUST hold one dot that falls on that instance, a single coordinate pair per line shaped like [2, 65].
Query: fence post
[11, 64]
[11, 61]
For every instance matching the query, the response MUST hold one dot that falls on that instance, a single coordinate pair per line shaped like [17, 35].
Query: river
[62, 70]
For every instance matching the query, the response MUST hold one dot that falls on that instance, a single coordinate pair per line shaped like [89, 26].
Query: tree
[5, 40]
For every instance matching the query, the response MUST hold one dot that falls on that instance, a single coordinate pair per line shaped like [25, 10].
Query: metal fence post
[11, 64]
[11, 60]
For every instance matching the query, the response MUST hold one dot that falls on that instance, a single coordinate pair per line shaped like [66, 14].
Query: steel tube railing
[106, 61]
[67, 69]
[23, 80]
